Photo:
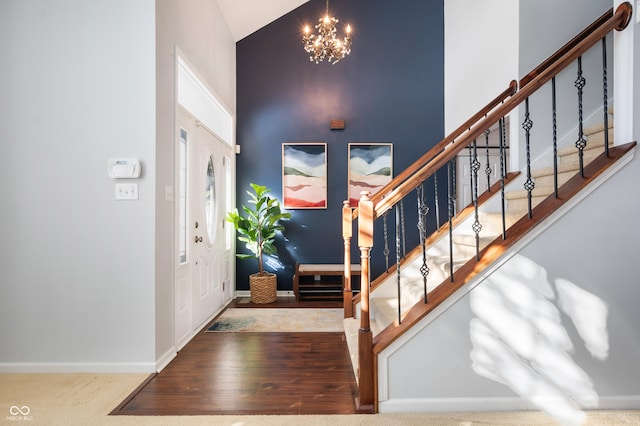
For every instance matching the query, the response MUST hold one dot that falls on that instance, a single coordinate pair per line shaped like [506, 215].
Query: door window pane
[182, 198]
[210, 200]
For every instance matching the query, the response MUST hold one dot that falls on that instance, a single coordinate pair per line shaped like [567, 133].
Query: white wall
[563, 20]
[481, 55]
[198, 30]
[78, 87]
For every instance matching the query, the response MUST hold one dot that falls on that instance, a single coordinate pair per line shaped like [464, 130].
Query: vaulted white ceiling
[245, 17]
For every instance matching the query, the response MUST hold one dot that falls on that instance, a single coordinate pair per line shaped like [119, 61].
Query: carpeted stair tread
[594, 141]
[492, 221]
[568, 167]
[469, 240]
[351, 327]
[386, 311]
[538, 191]
[599, 127]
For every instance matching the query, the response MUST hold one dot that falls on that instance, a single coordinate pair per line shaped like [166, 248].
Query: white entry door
[203, 269]
[207, 218]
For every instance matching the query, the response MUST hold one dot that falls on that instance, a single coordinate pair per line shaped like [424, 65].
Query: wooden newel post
[347, 232]
[366, 394]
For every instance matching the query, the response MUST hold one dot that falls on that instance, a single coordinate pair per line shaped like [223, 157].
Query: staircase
[384, 307]
[393, 312]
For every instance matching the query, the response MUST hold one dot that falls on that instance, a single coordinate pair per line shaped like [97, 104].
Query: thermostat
[123, 168]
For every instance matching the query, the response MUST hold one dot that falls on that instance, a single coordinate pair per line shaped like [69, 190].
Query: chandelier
[325, 44]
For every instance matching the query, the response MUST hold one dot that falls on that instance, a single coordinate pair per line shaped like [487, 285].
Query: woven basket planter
[263, 287]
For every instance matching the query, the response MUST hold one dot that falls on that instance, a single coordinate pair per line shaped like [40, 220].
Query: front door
[207, 219]
[203, 269]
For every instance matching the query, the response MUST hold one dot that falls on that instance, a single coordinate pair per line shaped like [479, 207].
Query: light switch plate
[126, 191]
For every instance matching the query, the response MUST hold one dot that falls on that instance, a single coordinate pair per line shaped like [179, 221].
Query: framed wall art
[370, 168]
[304, 175]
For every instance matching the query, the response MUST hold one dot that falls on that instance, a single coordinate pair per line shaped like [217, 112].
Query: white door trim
[194, 96]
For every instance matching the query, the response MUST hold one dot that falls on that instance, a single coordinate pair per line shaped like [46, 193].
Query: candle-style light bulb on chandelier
[325, 44]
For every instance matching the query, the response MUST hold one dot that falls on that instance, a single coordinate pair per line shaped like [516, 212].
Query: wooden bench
[322, 280]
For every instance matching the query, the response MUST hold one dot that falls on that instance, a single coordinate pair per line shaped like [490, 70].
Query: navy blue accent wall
[390, 89]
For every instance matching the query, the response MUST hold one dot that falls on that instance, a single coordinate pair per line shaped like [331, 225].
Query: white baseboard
[280, 293]
[628, 402]
[166, 358]
[83, 367]
[435, 405]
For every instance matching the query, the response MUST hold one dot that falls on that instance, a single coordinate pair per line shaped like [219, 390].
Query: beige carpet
[86, 399]
[280, 320]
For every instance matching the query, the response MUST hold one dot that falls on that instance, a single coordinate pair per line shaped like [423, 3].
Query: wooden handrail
[617, 21]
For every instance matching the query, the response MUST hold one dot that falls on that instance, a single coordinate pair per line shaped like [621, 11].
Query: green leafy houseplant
[259, 227]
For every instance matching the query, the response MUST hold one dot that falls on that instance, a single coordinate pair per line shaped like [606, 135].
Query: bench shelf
[322, 281]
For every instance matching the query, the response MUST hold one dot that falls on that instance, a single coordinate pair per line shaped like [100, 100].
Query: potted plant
[257, 229]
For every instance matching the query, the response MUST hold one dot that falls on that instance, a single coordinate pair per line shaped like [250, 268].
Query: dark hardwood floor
[252, 373]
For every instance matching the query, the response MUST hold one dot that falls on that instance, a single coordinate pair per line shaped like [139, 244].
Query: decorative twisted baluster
[404, 244]
[450, 202]
[581, 143]
[475, 167]
[423, 209]
[555, 136]
[605, 95]
[454, 185]
[436, 201]
[487, 169]
[527, 124]
[398, 274]
[386, 250]
[503, 138]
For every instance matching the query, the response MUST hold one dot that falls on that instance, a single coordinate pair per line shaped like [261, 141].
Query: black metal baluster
[386, 250]
[450, 213]
[423, 209]
[581, 143]
[398, 274]
[605, 96]
[475, 167]
[527, 124]
[437, 203]
[404, 245]
[503, 138]
[454, 185]
[488, 169]
[470, 148]
[555, 135]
